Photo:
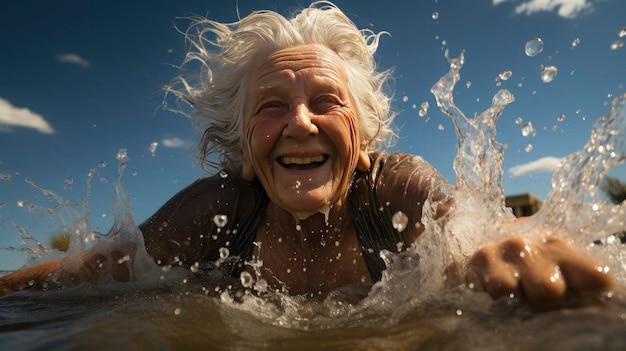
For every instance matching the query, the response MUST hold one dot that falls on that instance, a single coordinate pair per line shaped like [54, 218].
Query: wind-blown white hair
[225, 52]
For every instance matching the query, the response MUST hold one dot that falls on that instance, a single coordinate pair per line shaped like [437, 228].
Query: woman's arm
[33, 277]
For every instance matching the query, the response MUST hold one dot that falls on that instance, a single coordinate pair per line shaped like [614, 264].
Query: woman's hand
[33, 277]
[99, 265]
[546, 272]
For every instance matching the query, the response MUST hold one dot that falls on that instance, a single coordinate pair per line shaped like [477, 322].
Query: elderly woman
[296, 111]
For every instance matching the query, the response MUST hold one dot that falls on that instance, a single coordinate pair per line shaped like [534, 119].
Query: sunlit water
[170, 308]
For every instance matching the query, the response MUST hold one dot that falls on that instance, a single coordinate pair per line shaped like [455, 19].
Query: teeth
[301, 160]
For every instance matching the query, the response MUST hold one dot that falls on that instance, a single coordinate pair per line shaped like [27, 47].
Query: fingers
[546, 272]
[581, 272]
[33, 277]
[489, 272]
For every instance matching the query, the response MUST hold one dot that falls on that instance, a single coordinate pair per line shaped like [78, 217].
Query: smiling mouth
[302, 163]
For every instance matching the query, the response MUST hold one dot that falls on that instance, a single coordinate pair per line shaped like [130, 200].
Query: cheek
[260, 138]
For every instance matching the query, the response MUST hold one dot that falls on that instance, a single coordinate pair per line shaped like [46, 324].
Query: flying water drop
[220, 220]
[152, 148]
[246, 279]
[548, 73]
[423, 109]
[617, 44]
[399, 221]
[533, 47]
[528, 129]
[505, 75]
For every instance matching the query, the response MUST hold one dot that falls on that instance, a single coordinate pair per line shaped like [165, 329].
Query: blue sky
[80, 80]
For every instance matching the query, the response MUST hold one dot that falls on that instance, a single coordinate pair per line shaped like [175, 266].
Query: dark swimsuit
[186, 223]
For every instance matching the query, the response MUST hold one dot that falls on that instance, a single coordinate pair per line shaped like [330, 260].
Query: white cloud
[11, 116]
[74, 59]
[173, 142]
[565, 8]
[544, 164]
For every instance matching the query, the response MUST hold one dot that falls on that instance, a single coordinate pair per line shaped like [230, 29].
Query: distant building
[523, 204]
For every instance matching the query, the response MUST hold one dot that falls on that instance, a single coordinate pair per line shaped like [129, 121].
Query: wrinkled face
[301, 130]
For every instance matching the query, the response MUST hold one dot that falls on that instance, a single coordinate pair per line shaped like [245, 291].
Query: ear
[247, 170]
[364, 162]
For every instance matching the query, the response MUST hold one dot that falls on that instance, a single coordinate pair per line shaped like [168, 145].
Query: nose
[300, 124]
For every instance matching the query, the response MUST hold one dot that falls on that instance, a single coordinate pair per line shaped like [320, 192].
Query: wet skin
[301, 135]
[301, 141]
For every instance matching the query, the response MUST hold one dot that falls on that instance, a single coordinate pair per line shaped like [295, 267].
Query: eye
[271, 106]
[326, 102]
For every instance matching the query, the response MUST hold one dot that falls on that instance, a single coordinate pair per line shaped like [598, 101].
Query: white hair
[225, 52]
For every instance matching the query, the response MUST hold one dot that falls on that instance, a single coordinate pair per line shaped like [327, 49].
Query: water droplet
[223, 174]
[528, 129]
[153, 147]
[224, 253]
[435, 15]
[505, 75]
[440, 127]
[622, 32]
[20, 203]
[617, 44]
[178, 311]
[519, 120]
[533, 47]
[68, 182]
[246, 279]
[528, 148]
[405, 99]
[548, 73]
[575, 42]
[561, 118]
[423, 109]
[399, 221]
[194, 267]
[578, 111]
[121, 155]
[102, 164]
[468, 84]
[298, 227]
[5, 176]
[220, 220]
[459, 312]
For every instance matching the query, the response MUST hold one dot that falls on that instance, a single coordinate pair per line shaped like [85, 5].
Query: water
[533, 47]
[169, 308]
